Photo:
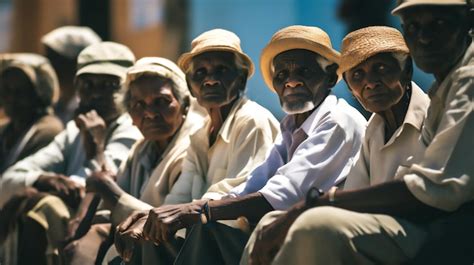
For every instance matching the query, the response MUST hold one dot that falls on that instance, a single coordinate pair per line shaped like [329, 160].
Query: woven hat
[402, 4]
[161, 67]
[69, 41]
[108, 58]
[295, 37]
[38, 70]
[215, 40]
[364, 43]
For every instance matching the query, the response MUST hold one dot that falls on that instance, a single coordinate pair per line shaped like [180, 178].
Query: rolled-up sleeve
[444, 178]
[322, 160]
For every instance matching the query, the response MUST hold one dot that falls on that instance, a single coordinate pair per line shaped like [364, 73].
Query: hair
[180, 94]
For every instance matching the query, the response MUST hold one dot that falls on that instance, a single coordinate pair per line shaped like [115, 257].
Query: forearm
[252, 206]
[392, 198]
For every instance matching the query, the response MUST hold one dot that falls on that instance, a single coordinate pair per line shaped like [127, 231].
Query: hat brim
[185, 58]
[104, 68]
[405, 5]
[279, 46]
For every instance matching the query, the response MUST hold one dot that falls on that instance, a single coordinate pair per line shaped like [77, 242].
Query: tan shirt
[445, 177]
[242, 144]
[148, 179]
[378, 161]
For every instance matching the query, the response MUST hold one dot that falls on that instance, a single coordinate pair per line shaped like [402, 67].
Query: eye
[281, 75]
[161, 102]
[357, 76]
[199, 73]
[381, 68]
[222, 69]
[440, 22]
[305, 72]
[410, 28]
[138, 105]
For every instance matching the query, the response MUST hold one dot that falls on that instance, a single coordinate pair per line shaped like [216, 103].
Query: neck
[301, 117]
[441, 75]
[218, 116]
[394, 116]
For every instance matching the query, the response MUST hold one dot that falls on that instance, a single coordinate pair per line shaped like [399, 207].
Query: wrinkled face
[436, 36]
[17, 94]
[99, 92]
[214, 79]
[154, 108]
[299, 81]
[377, 83]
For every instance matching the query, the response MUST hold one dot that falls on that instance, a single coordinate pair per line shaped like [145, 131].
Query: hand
[69, 191]
[103, 183]
[93, 129]
[129, 233]
[163, 222]
[18, 205]
[270, 238]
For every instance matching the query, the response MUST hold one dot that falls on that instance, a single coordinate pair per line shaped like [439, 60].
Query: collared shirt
[242, 144]
[333, 136]
[445, 176]
[379, 160]
[148, 177]
[65, 155]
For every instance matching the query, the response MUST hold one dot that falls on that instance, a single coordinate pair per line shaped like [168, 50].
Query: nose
[372, 81]
[149, 112]
[212, 82]
[293, 84]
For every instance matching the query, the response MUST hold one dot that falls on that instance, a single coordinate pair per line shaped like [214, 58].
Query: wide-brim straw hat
[403, 4]
[295, 37]
[215, 40]
[364, 43]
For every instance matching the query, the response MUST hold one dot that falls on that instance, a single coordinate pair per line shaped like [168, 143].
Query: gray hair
[401, 59]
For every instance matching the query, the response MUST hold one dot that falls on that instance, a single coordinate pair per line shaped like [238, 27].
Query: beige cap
[403, 4]
[161, 67]
[38, 70]
[108, 58]
[364, 43]
[69, 41]
[295, 37]
[215, 40]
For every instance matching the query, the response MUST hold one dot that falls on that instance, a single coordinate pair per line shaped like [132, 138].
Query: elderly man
[234, 140]
[99, 138]
[321, 135]
[368, 227]
[62, 46]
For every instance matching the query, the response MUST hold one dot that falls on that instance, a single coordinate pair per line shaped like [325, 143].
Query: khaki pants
[329, 235]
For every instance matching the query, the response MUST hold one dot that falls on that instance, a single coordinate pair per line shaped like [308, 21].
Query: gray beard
[297, 108]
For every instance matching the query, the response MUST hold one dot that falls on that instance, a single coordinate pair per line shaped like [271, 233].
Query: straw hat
[215, 40]
[108, 58]
[69, 41]
[402, 4]
[361, 44]
[295, 37]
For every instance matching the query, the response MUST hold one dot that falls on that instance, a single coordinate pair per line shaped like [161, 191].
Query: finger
[129, 221]
[118, 242]
[128, 251]
[148, 225]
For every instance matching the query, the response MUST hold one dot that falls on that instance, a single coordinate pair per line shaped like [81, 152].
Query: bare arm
[252, 206]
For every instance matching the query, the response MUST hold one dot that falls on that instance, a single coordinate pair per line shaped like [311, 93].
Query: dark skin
[303, 79]
[401, 202]
[98, 108]
[380, 85]
[216, 82]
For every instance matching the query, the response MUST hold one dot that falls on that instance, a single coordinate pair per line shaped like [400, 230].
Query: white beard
[298, 108]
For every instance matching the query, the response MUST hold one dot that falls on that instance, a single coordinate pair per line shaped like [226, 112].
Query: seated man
[390, 222]
[237, 133]
[99, 138]
[28, 89]
[321, 135]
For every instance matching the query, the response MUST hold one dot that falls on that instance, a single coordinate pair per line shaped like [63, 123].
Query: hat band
[124, 63]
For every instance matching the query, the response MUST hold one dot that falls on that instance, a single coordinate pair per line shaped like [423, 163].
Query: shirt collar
[416, 111]
[288, 123]
[226, 128]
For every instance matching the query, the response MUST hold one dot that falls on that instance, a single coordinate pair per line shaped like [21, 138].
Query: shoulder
[343, 115]
[254, 113]
[50, 125]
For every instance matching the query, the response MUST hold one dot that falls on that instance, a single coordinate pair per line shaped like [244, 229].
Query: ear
[331, 71]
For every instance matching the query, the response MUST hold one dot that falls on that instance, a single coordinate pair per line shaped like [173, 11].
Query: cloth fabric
[445, 176]
[69, 41]
[241, 145]
[146, 178]
[40, 134]
[65, 155]
[337, 236]
[334, 133]
[378, 160]
[295, 37]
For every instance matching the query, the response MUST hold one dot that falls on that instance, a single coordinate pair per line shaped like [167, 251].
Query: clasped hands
[157, 225]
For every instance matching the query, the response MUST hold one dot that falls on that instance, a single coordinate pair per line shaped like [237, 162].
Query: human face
[99, 92]
[154, 108]
[214, 79]
[18, 95]
[377, 82]
[299, 81]
[436, 36]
